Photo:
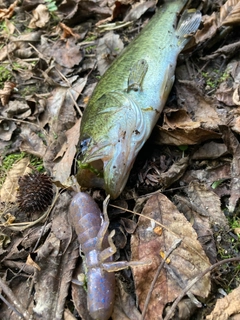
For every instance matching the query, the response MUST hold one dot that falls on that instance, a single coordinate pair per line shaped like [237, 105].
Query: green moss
[5, 75]
[214, 78]
[90, 168]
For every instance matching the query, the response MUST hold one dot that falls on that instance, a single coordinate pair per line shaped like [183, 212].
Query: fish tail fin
[187, 25]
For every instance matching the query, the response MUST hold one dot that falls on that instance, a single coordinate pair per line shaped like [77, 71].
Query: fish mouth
[107, 167]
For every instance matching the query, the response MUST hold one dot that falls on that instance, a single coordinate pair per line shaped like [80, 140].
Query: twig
[196, 279]
[23, 313]
[174, 246]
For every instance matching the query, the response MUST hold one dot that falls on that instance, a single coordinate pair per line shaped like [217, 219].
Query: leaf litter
[185, 182]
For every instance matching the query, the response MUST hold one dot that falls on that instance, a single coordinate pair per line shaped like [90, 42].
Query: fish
[130, 96]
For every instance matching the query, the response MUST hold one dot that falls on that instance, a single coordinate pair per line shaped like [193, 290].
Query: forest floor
[185, 183]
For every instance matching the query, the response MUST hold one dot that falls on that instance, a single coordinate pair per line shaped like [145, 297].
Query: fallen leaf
[17, 109]
[201, 107]
[138, 9]
[201, 224]
[62, 170]
[210, 150]
[230, 13]
[8, 191]
[227, 307]
[8, 13]
[125, 304]
[6, 92]
[40, 18]
[31, 141]
[187, 261]
[66, 53]
[108, 48]
[234, 148]
[6, 129]
[207, 203]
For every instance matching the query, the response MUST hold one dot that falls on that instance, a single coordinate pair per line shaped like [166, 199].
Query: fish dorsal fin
[188, 24]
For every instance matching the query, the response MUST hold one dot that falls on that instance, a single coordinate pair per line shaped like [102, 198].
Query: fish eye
[84, 145]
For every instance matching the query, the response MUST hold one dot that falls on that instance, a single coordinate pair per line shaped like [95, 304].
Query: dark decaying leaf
[186, 261]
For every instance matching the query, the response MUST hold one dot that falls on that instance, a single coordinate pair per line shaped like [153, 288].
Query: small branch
[196, 279]
[23, 313]
[174, 246]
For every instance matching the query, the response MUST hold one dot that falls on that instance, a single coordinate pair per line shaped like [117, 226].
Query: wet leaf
[187, 260]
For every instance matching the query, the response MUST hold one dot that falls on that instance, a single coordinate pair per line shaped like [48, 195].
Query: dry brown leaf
[201, 225]
[31, 141]
[6, 92]
[66, 53]
[229, 16]
[8, 191]
[201, 108]
[138, 9]
[186, 136]
[108, 48]
[6, 50]
[62, 170]
[226, 307]
[40, 18]
[8, 13]
[230, 13]
[187, 261]
[67, 31]
[194, 122]
[207, 203]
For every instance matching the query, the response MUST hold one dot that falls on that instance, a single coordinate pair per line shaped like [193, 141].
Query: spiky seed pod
[35, 192]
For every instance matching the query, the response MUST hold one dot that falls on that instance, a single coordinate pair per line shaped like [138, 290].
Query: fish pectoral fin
[137, 74]
[187, 25]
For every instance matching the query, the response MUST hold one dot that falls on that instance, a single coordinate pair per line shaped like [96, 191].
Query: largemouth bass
[130, 96]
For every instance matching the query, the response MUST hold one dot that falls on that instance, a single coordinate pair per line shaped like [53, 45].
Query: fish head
[112, 144]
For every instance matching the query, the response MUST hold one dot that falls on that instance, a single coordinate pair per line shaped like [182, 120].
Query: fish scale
[130, 96]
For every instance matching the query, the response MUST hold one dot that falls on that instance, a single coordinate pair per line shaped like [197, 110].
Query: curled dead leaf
[8, 13]
[40, 18]
[6, 92]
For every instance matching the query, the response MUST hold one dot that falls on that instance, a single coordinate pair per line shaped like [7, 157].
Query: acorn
[35, 192]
